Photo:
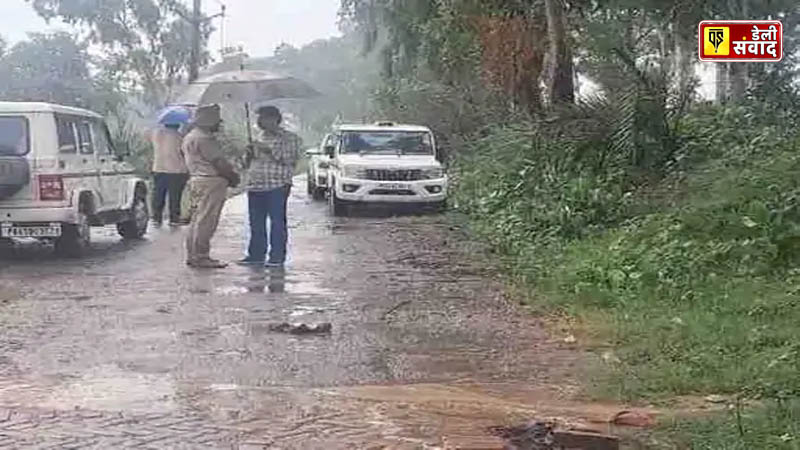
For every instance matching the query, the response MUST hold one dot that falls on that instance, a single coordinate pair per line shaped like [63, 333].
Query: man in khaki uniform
[211, 175]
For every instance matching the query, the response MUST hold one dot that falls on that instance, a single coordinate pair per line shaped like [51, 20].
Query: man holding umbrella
[273, 157]
[272, 160]
[169, 168]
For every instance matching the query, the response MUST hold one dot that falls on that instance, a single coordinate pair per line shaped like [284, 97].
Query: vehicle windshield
[401, 142]
[13, 136]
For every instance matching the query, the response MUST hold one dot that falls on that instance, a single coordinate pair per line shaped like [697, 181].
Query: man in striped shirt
[272, 160]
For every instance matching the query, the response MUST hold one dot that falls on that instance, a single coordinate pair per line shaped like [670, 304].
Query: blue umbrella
[174, 115]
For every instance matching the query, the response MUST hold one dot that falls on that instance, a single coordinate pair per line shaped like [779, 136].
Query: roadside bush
[455, 114]
[129, 131]
[696, 272]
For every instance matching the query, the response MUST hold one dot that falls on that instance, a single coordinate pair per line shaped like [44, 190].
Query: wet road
[129, 348]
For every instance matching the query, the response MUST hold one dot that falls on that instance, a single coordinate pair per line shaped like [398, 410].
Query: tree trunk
[738, 71]
[683, 64]
[664, 38]
[721, 96]
[561, 85]
[738, 80]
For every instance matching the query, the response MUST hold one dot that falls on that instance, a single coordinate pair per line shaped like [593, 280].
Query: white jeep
[384, 163]
[317, 172]
[60, 174]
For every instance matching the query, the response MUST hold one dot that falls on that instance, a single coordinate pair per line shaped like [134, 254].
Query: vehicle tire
[75, 239]
[441, 206]
[136, 226]
[318, 194]
[337, 207]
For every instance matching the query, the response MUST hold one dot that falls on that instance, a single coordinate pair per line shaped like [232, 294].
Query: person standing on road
[211, 175]
[169, 172]
[271, 164]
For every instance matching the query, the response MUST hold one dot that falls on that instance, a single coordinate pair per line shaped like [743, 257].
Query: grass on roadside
[775, 427]
[698, 288]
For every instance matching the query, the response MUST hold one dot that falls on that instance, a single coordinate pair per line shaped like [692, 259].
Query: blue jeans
[272, 204]
[172, 184]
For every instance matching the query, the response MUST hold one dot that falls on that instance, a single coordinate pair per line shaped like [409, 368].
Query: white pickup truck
[317, 171]
[384, 163]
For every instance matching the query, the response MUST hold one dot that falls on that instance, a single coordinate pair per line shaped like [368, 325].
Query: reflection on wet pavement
[130, 330]
[111, 388]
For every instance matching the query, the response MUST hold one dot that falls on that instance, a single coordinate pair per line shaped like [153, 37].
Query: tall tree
[738, 71]
[561, 78]
[48, 67]
[457, 43]
[721, 83]
[147, 43]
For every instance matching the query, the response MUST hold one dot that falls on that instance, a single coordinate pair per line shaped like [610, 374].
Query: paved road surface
[128, 348]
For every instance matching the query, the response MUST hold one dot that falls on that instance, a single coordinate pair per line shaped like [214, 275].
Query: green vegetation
[776, 428]
[668, 227]
[691, 274]
[695, 276]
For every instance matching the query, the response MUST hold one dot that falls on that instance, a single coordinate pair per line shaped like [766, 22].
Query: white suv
[385, 163]
[60, 174]
[317, 173]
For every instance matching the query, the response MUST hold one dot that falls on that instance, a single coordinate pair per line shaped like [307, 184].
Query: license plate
[30, 232]
[395, 186]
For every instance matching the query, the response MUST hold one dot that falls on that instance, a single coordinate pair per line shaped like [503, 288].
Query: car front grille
[394, 174]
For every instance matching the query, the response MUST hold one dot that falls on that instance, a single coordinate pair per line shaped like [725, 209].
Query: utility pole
[194, 63]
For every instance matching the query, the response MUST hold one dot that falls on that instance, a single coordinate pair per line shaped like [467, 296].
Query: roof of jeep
[33, 107]
[376, 127]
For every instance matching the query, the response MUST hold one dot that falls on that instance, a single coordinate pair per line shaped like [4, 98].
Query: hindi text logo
[740, 40]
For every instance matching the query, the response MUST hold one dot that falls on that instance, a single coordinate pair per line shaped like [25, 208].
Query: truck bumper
[22, 216]
[411, 192]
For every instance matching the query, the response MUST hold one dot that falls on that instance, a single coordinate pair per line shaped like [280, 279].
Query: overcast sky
[258, 25]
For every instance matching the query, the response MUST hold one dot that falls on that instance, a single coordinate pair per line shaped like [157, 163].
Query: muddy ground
[128, 348]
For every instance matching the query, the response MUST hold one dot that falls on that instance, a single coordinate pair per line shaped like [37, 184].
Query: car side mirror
[329, 150]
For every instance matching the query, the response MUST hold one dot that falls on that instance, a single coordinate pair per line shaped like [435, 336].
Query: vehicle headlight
[433, 173]
[323, 165]
[352, 172]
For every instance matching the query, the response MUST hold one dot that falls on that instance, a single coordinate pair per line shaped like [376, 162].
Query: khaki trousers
[207, 196]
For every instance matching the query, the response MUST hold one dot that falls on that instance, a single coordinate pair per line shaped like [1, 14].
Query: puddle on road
[231, 290]
[109, 388]
[274, 283]
[308, 288]
[9, 293]
[306, 310]
[223, 387]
